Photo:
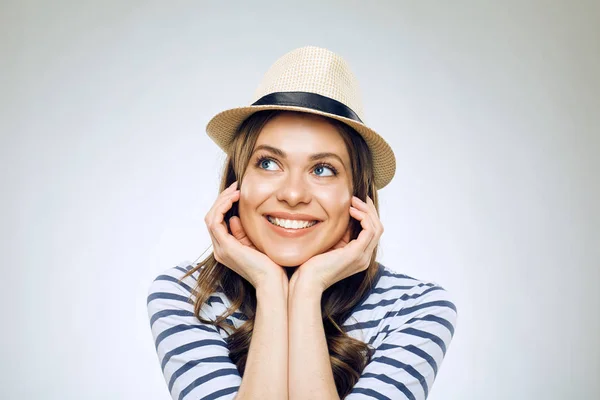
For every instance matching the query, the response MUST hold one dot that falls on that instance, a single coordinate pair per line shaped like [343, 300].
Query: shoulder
[397, 300]
[172, 280]
[410, 334]
[396, 296]
[414, 298]
[171, 289]
[409, 291]
[170, 284]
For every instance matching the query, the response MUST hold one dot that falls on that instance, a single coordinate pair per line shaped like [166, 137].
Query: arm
[417, 334]
[311, 376]
[194, 357]
[266, 373]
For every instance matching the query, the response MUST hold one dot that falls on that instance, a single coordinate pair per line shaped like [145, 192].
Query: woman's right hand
[236, 251]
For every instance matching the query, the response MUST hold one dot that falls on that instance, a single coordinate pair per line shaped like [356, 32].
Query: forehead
[303, 133]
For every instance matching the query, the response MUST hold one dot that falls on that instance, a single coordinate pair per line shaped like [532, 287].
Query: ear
[237, 230]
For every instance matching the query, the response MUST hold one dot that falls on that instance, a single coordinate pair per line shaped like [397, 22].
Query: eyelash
[263, 158]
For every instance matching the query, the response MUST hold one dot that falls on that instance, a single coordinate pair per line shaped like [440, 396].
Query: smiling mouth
[290, 223]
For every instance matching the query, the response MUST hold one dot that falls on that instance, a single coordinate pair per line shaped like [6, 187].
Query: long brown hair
[348, 356]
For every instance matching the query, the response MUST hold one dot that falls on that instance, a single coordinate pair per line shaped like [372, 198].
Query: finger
[372, 244]
[378, 226]
[375, 217]
[224, 196]
[366, 241]
[217, 228]
[366, 235]
[238, 232]
[230, 188]
[358, 203]
[215, 241]
[369, 207]
[224, 206]
[217, 223]
[222, 203]
[225, 246]
[364, 217]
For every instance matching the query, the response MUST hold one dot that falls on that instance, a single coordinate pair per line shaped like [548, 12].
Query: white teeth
[291, 223]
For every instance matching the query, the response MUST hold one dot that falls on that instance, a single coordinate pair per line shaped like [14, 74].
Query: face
[297, 188]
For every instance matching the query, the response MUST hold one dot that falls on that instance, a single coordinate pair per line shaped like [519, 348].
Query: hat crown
[314, 70]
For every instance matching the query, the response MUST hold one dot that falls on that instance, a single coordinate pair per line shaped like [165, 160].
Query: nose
[294, 190]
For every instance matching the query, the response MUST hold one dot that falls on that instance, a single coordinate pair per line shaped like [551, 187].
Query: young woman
[292, 302]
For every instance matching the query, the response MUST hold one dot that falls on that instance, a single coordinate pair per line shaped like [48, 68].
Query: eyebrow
[313, 157]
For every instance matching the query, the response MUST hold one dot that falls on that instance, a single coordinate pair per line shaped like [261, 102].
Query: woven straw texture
[316, 70]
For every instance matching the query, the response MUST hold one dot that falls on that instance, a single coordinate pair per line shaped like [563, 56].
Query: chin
[288, 259]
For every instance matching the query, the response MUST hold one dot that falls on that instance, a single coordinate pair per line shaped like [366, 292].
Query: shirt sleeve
[192, 355]
[417, 335]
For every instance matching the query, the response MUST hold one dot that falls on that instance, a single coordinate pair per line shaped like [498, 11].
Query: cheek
[337, 204]
[253, 193]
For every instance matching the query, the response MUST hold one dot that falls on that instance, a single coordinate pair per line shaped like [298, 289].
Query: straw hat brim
[223, 126]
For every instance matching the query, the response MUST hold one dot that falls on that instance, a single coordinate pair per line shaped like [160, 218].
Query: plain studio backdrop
[491, 107]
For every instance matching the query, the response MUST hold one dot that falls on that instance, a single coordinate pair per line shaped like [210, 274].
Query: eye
[320, 170]
[265, 162]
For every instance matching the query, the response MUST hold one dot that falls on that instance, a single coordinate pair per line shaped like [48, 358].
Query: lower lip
[290, 232]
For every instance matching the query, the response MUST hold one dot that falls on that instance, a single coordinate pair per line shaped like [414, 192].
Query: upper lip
[299, 217]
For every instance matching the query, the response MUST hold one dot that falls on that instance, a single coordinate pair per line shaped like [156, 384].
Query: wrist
[273, 285]
[303, 284]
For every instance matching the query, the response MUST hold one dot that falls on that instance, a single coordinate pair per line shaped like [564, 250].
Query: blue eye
[264, 163]
[322, 168]
[268, 164]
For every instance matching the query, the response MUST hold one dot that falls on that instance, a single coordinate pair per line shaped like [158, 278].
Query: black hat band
[308, 100]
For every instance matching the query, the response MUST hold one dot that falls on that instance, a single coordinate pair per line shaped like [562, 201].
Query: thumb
[238, 231]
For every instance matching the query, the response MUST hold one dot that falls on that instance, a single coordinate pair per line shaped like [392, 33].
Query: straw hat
[313, 80]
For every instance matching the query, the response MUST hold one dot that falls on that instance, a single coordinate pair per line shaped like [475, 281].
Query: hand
[346, 257]
[236, 251]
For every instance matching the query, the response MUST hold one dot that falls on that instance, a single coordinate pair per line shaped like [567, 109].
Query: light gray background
[491, 107]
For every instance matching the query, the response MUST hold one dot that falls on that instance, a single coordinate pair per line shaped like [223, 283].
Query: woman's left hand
[345, 258]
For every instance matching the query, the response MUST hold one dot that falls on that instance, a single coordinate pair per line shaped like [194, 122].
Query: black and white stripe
[410, 323]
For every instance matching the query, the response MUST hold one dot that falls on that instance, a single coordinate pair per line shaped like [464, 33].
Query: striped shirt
[409, 322]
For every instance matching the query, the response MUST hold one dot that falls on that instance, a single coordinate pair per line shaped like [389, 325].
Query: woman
[292, 299]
